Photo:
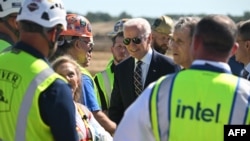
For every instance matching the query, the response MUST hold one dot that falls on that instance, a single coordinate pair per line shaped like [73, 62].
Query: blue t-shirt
[89, 97]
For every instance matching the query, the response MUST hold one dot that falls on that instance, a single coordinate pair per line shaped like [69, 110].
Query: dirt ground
[101, 53]
[99, 61]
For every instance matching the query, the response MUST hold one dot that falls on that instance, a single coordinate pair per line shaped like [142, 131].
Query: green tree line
[105, 17]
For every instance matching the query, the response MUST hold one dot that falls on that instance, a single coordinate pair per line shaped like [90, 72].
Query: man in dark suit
[236, 67]
[137, 38]
[243, 52]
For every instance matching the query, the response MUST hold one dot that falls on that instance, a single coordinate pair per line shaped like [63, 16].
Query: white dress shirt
[247, 68]
[145, 65]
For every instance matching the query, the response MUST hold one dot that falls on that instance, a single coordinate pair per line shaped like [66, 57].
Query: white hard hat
[118, 27]
[9, 6]
[47, 13]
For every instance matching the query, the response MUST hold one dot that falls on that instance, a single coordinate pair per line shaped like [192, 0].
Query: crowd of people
[47, 92]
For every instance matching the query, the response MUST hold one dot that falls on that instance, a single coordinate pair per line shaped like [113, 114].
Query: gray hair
[142, 24]
[244, 29]
[187, 22]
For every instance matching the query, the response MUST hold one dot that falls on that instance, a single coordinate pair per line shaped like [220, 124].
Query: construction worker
[37, 101]
[162, 28]
[104, 80]
[8, 28]
[196, 103]
[77, 42]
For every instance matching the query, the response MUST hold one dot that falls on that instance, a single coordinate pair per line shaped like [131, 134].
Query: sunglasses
[135, 40]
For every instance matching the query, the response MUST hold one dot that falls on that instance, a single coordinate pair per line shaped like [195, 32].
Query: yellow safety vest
[105, 80]
[195, 105]
[4, 44]
[22, 79]
[86, 72]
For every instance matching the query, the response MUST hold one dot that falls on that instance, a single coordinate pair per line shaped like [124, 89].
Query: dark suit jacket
[123, 93]
[235, 66]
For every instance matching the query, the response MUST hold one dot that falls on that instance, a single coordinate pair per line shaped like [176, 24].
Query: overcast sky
[155, 8]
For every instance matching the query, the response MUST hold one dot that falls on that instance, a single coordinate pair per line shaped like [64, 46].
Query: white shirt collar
[247, 67]
[146, 59]
[213, 63]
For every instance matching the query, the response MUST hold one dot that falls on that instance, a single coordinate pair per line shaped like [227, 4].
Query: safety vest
[22, 79]
[4, 44]
[110, 62]
[105, 80]
[86, 72]
[195, 105]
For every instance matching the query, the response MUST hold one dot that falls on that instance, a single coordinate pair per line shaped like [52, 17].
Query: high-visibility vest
[22, 79]
[105, 80]
[4, 44]
[84, 71]
[195, 105]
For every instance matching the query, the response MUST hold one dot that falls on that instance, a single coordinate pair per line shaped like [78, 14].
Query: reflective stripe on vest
[106, 80]
[27, 103]
[107, 85]
[154, 107]
[4, 44]
[240, 109]
[176, 107]
[23, 79]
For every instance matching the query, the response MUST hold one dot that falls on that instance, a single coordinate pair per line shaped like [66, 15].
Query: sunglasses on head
[135, 40]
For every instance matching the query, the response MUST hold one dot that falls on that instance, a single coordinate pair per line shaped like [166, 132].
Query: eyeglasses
[135, 40]
[90, 44]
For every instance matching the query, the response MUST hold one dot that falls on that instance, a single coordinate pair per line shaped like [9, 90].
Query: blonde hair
[68, 59]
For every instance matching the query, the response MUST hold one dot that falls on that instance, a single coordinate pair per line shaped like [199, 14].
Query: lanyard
[84, 118]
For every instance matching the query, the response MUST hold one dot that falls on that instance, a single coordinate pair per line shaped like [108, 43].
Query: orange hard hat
[77, 25]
